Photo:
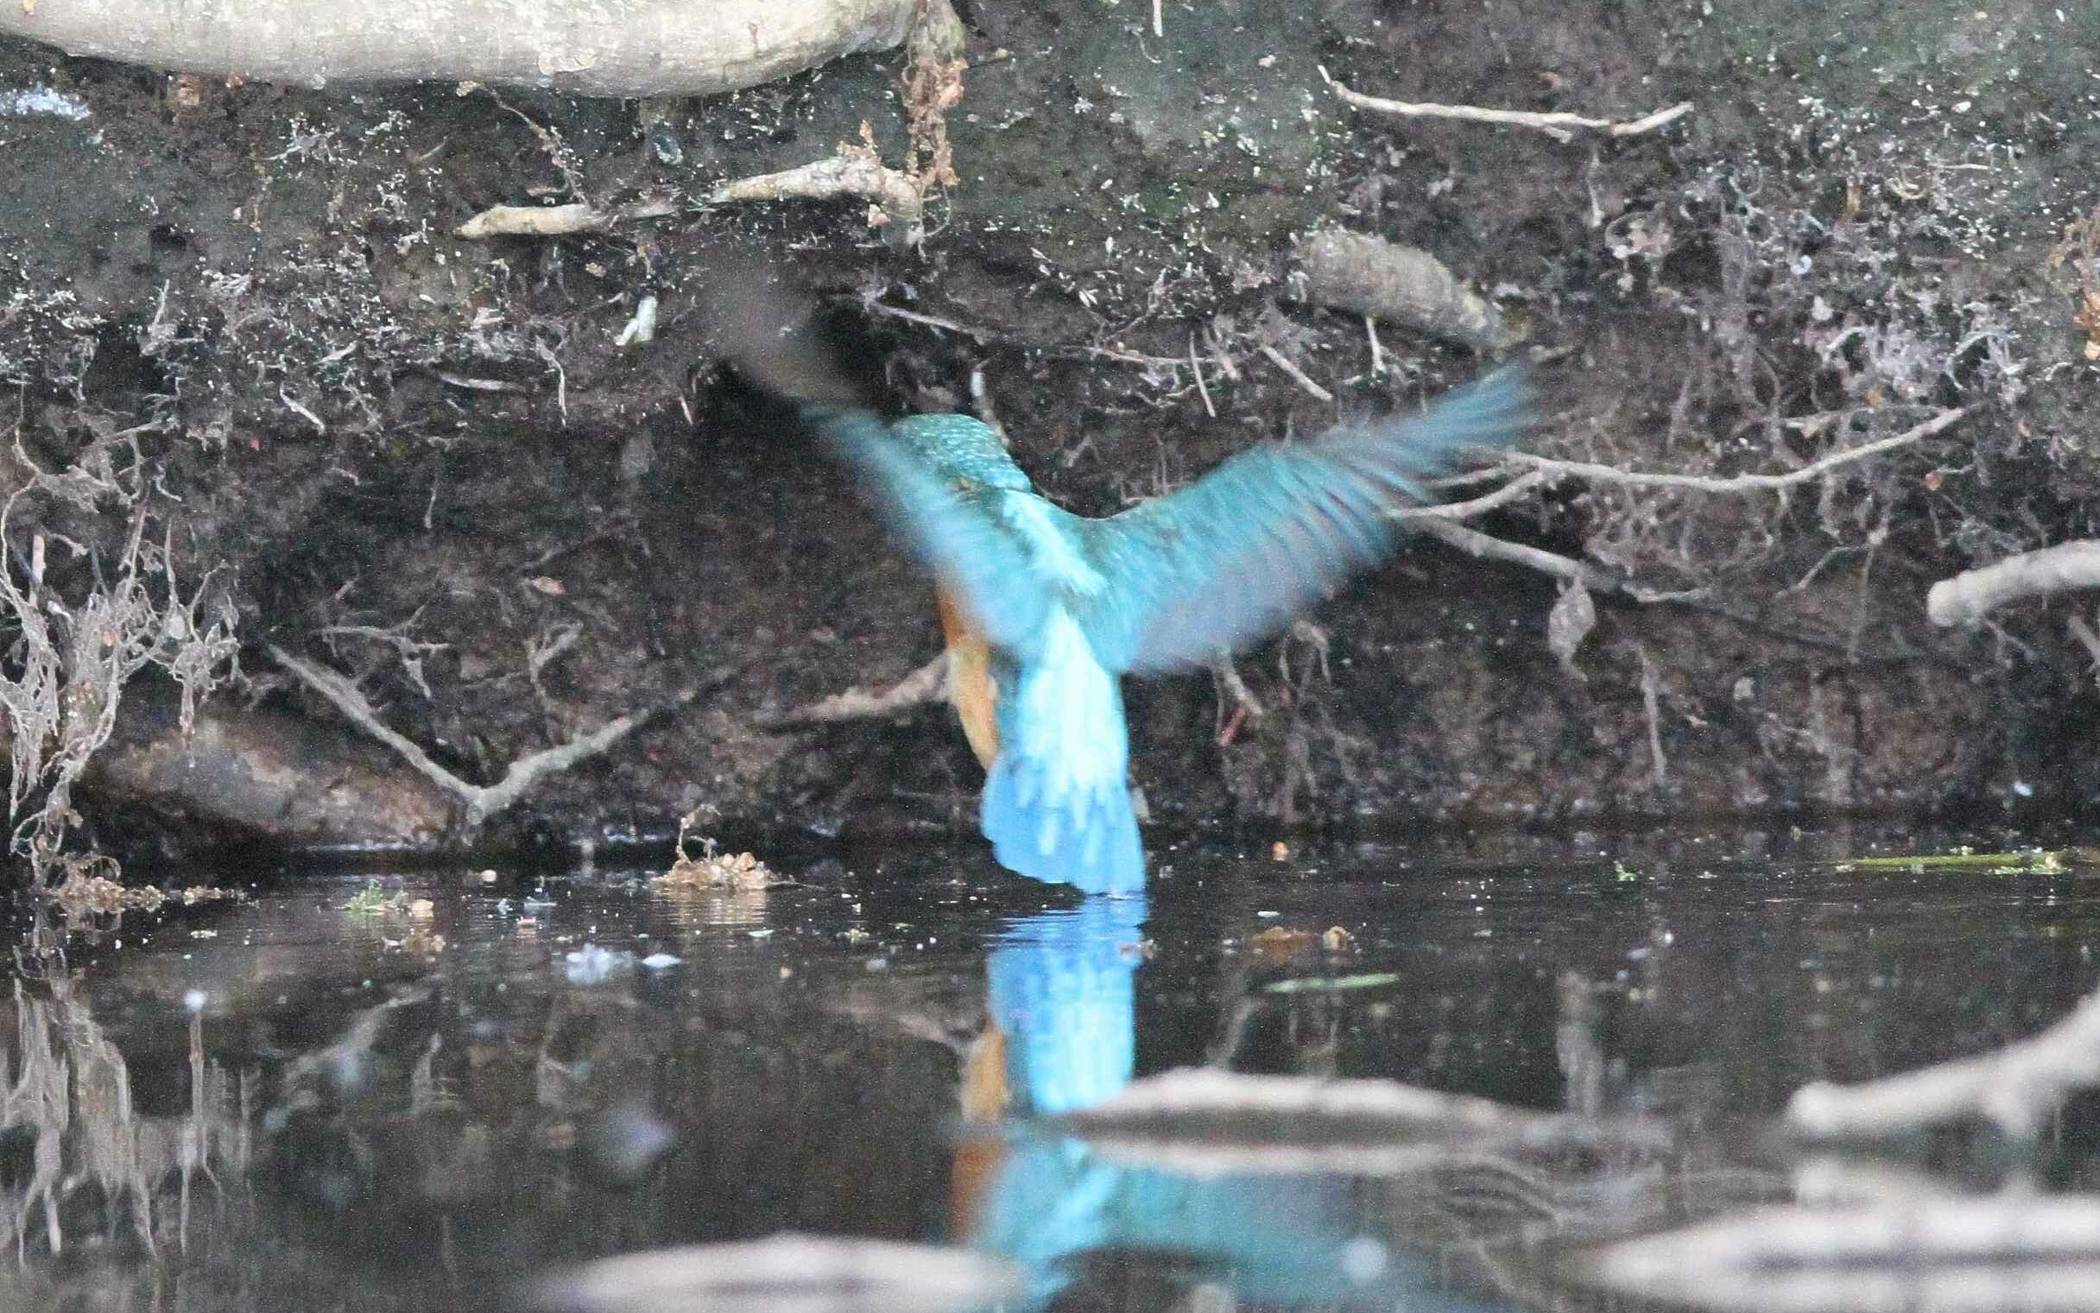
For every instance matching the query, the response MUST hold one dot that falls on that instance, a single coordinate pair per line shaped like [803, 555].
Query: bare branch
[1968, 596]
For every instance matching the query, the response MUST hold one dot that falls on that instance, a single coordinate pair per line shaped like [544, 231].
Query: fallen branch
[478, 802]
[1559, 126]
[2017, 1087]
[1399, 284]
[924, 686]
[1970, 595]
[557, 220]
[601, 48]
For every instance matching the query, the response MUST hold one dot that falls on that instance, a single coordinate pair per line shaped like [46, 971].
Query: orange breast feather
[971, 688]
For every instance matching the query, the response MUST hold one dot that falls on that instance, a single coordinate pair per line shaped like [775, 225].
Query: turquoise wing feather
[1236, 554]
[955, 536]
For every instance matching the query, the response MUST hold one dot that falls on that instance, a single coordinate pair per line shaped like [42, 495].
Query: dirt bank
[431, 464]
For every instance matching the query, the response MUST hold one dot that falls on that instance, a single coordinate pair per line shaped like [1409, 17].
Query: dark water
[284, 1104]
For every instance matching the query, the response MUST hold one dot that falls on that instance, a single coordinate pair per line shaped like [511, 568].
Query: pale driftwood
[595, 47]
[1970, 595]
[2018, 1087]
[1399, 284]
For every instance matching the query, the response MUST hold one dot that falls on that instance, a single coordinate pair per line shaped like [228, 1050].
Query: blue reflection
[1062, 993]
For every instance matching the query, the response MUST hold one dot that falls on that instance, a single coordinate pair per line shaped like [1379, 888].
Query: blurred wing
[973, 556]
[1239, 552]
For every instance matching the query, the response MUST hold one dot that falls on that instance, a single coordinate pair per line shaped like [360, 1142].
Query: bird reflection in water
[1064, 1037]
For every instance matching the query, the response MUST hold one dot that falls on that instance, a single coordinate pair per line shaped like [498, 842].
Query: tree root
[922, 687]
[1970, 595]
[1560, 126]
[1399, 284]
[478, 802]
[609, 48]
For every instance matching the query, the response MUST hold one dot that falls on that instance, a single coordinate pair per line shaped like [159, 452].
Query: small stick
[1559, 126]
[1298, 376]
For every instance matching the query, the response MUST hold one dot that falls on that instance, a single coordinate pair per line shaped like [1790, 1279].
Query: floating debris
[1953, 1255]
[805, 1274]
[592, 965]
[1328, 984]
[2026, 861]
[715, 870]
[661, 961]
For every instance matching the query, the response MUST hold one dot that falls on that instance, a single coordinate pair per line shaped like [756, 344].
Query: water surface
[289, 1104]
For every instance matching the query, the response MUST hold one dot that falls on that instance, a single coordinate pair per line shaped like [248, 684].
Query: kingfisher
[1045, 611]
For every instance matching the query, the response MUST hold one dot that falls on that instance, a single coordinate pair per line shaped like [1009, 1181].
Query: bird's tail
[1089, 840]
[1057, 798]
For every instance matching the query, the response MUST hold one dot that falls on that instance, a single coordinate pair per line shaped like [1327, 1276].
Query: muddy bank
[432, 465]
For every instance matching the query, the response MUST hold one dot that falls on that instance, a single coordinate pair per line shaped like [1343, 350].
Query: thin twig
[478, 802]
[1559, 126]
[1297, 375]
[927, 684]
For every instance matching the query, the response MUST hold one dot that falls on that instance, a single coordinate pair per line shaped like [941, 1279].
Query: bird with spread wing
[1045, 610]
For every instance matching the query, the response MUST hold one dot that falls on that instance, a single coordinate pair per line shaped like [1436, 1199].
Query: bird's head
[957, 447]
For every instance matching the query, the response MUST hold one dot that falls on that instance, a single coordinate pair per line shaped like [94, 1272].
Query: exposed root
[477, 802]
[856, 172]
[922, 687]
[1399, 284]
[556, 220]
[615, 48]
[1559, 126]
[1297, 375]
[1970, 595]
[1736, 483]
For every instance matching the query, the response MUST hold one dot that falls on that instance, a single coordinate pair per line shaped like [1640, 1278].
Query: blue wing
[1269, 532]
[954, 538]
